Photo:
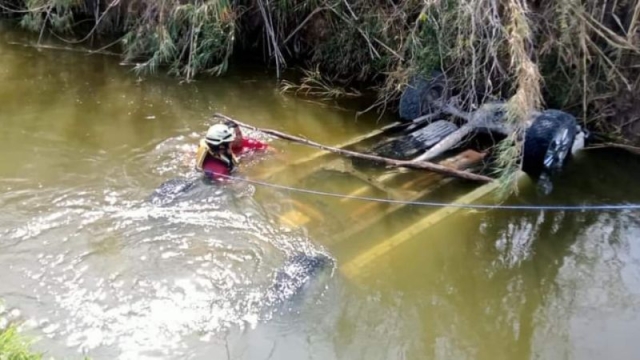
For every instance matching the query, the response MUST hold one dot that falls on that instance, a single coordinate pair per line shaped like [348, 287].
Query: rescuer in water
[217, 152]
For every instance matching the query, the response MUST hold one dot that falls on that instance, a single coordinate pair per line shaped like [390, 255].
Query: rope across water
[600, 207]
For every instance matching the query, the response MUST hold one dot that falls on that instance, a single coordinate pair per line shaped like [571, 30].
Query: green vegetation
[577, 55]
[14, 347]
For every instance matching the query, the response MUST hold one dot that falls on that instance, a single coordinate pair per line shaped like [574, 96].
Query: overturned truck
[433, 130]
[549, 136]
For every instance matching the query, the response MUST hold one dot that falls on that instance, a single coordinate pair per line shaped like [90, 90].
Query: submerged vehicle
[432, 129]
[549, 137]
[438, 132]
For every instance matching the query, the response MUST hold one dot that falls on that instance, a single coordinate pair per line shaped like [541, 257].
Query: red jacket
[249, 145]
[215, 168]
[218, 170]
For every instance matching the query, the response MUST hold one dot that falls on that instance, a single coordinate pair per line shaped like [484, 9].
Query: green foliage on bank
[14, 347]
[574, 53]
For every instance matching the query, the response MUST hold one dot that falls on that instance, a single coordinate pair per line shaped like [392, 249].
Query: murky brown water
[91, 267]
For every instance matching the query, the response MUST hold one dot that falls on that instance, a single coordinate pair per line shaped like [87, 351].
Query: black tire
[410, 146]
[420, 95]
[548, 142]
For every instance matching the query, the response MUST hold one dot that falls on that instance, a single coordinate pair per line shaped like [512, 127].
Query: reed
[14, 347]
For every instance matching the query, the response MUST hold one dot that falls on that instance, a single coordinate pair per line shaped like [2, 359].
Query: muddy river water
[90, 267]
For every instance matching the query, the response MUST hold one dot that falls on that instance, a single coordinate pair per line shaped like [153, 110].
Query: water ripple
[124, 275]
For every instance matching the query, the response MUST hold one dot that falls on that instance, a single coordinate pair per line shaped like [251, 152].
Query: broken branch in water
[64, 48]
[425, 165]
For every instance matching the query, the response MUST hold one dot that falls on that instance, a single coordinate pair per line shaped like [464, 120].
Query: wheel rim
[558, 150]
[433, 94]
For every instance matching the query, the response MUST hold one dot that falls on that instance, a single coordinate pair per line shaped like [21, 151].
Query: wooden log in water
[424, 165]
[377, 132]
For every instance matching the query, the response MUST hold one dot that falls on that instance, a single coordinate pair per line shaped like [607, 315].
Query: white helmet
[218, 134]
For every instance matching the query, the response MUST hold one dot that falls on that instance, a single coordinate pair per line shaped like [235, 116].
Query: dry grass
[314, 85]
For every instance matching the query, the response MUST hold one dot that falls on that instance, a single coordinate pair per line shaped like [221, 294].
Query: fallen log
[424, 165]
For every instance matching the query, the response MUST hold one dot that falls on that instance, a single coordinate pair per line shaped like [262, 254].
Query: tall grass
[14, 347]
[187, 38]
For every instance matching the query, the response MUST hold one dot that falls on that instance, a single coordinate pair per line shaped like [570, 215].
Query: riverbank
[577, 56]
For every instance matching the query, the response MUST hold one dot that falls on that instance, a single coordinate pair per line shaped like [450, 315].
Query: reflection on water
[127, 273]
[91, 266]
[540, 285]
